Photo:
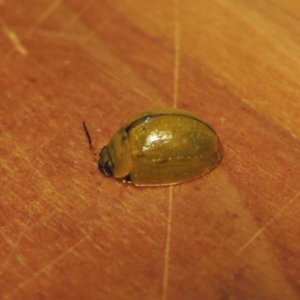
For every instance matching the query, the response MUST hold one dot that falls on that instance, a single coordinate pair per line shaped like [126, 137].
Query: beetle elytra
[161, 147]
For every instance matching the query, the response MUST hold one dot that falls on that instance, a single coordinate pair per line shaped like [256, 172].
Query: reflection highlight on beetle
[157, 136]
[161, 147]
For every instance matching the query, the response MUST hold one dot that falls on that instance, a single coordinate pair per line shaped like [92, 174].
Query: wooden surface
[66, 232]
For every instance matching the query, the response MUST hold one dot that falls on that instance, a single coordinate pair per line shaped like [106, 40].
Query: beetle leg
[127, 179]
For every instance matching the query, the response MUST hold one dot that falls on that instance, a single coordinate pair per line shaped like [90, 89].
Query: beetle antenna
[88, 135]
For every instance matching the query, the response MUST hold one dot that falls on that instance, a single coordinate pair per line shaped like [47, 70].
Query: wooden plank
[66, 232]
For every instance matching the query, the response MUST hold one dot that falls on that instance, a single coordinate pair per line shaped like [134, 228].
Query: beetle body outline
[161, 147]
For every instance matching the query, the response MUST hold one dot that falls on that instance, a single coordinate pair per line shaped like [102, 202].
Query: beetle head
[115, 158]
[105, 164]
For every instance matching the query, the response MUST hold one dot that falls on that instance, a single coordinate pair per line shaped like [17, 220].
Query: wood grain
[66, 232]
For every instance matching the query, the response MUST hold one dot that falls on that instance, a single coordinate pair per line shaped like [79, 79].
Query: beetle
[161, 147]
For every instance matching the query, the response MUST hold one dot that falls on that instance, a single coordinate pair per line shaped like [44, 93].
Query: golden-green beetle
[161, 147]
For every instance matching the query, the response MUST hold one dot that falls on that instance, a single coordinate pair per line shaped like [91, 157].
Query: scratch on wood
[167, 248]
[261, 230]
[177, 49]
[48, 11]
[222, 119]
[20, 286]
[13, 247]
[76, 17]
[119, 78]
[12, 36]
[169, 221]
[268, 173]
